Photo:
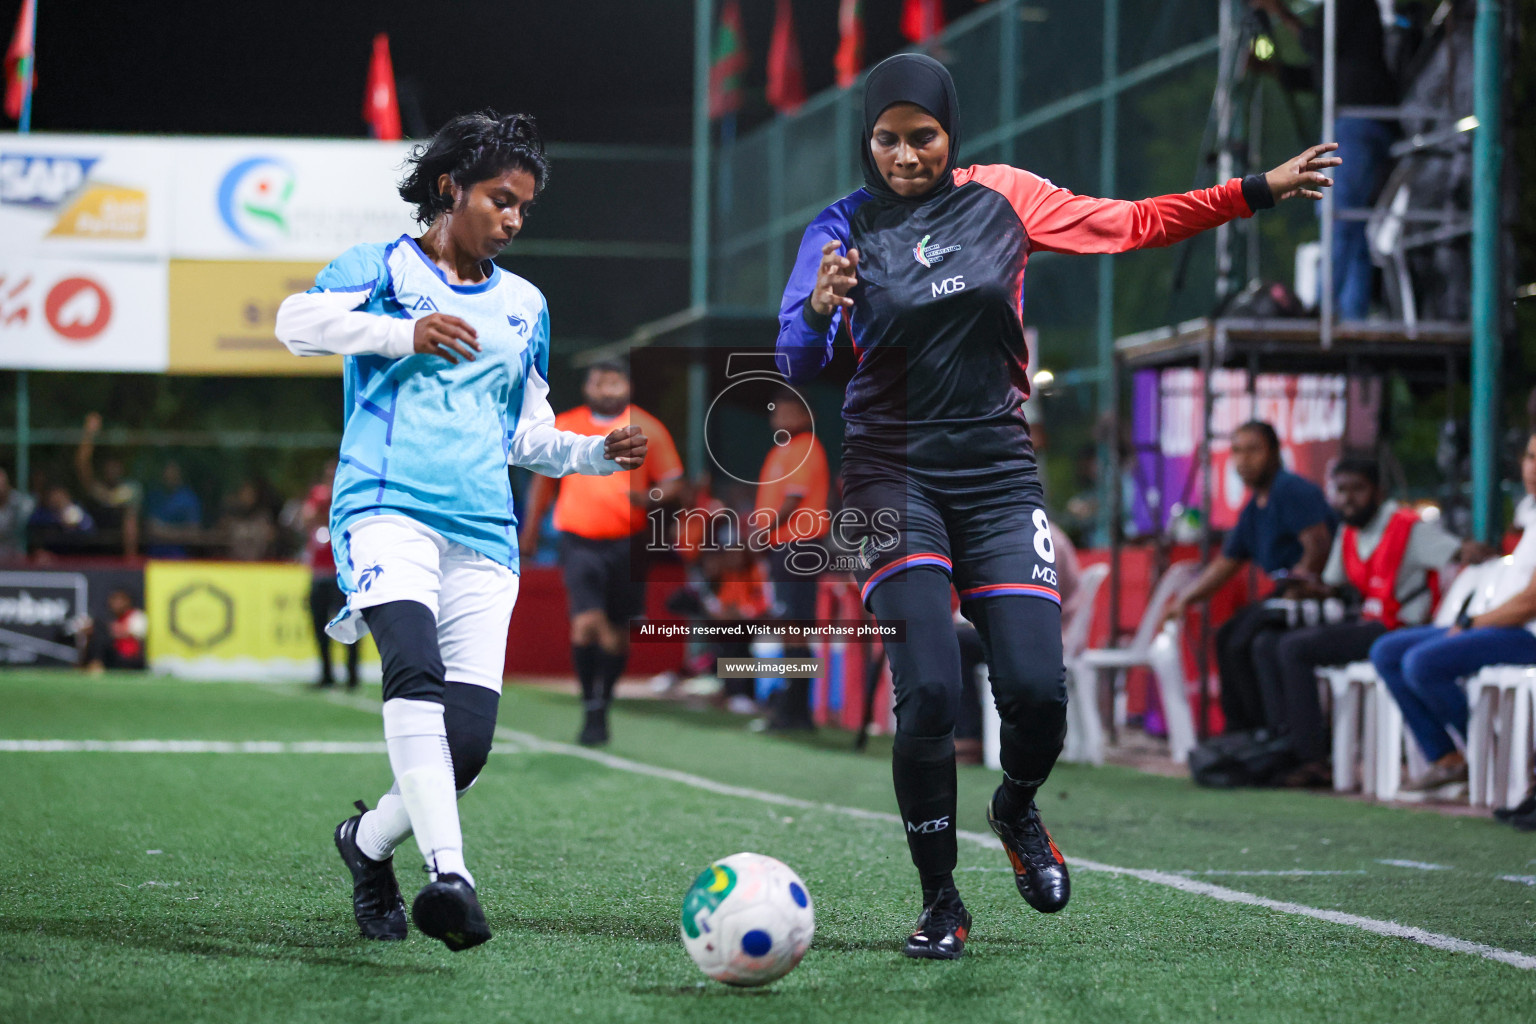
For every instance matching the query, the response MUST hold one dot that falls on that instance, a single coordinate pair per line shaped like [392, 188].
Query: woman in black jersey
[923, 268]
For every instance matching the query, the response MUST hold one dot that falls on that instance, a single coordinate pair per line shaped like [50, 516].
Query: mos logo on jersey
[928, 255]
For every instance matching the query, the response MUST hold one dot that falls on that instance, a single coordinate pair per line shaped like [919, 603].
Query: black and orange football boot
[940, 932]
[1039, 869]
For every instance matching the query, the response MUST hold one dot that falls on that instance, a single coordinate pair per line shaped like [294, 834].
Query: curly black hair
[471, 148]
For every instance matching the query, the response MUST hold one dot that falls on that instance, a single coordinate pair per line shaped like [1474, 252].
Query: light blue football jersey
[425, 438]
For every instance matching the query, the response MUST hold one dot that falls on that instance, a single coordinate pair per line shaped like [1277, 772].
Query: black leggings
[1022, 640]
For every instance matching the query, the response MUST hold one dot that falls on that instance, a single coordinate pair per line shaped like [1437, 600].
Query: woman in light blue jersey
[446, 384]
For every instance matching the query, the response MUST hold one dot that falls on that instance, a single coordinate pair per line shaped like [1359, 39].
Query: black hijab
[910, 78]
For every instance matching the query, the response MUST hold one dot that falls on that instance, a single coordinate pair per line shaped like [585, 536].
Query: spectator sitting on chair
[122, 646]
[1286, 528]
[58, 526]
[1391, 558]
[1422, 666]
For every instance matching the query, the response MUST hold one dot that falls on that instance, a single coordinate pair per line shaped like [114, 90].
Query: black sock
[609, 667]
[923, 768]
[585, 658]
[1013, 798]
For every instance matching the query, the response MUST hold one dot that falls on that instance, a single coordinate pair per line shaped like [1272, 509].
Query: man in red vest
[1390, 558]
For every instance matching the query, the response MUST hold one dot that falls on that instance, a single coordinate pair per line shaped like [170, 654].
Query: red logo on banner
[78, 308]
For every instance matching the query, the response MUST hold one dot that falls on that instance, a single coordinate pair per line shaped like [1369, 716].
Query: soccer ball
[747, 920]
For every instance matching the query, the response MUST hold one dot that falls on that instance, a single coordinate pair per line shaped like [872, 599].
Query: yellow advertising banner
[234, 620]
[223, 313]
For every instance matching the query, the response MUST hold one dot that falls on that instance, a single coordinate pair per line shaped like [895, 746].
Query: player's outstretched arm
[1058, 220]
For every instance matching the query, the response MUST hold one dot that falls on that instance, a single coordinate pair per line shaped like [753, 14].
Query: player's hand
[626, 446]
[1303, 175]
[834, 278]
[438, 334]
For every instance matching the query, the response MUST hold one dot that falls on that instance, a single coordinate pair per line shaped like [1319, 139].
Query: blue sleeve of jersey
[359, 269]
[806, 344]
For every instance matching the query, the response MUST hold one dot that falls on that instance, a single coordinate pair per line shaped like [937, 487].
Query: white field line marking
[1522, 879]
[1288, 873]
[185, 747]
[1422, 936]
[1416, 864]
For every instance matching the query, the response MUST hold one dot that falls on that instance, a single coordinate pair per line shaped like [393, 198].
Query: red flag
[19, 74]
[921, 20]
[729, 64]
[381, 108]
[850, 44]
[786, 83]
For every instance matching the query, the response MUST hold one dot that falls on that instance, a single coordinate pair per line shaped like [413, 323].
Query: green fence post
[1487, 333]
[698, 275]
[23, 433]
[1109, 113]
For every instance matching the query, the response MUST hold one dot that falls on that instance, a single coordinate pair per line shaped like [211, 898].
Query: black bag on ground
[1253, 758]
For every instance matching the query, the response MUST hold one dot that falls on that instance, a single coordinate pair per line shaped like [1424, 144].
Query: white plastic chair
[1503, 700]
[1369, 740]
[1154, 647]
[1074, 637]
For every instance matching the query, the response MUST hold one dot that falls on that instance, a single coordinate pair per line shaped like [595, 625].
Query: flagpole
[23, 381]
[25, 124]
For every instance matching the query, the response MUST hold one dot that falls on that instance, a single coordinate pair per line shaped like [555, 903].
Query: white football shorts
[393, 558]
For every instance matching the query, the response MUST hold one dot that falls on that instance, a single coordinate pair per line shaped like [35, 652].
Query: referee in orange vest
[791, 507]
[602, 524]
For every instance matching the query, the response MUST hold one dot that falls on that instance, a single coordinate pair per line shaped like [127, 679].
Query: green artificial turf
[242, 911]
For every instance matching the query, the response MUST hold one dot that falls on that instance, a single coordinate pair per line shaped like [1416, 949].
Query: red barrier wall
[539, 640]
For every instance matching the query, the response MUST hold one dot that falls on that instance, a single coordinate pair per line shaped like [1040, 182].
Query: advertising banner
[234, 620]
[223, 314]
[37, 614]
[285, 199]
[91, 196]
[1313, 414]
[77, 315]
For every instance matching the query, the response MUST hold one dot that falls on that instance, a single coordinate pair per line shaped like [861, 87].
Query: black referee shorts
[605, 574]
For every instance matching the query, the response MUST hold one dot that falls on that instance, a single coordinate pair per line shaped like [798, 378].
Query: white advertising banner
[270, 199]
[83, 315]
[93, 196]
[115, 197]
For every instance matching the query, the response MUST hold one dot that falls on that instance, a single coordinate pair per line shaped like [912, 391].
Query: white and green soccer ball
[747, 920]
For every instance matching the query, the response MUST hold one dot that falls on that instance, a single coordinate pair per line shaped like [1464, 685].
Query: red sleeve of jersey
[1059, 221]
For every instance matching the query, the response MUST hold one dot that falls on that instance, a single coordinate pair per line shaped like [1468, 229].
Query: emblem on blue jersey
[367, 576]
[426, 303]
[928, 255]
[518, 324]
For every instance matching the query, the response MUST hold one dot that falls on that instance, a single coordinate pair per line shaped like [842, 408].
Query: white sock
[418, 753]
[389, 824]
[385, 827]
